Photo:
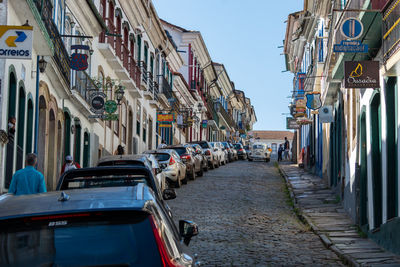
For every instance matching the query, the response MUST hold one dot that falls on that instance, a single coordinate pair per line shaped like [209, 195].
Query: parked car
[235, 153]
[228, 150]
[171, 165]
[209, 153]
[199, 151]
[259, 151]
[220, 151]
[116, 226]
[189, 157]
[240, 151]
[136, 160]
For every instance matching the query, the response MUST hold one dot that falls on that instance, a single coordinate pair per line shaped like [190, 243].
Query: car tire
[212, 166]
[250, 159]
[218, 164]
[201, 172]
[267, 160]
[205, 167]
[178, 183]
[192, 175]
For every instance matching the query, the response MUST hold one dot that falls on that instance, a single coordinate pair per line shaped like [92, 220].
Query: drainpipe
[37, 106]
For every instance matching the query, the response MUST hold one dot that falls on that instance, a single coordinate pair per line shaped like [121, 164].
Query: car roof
[104, 170]
[164, 151]
[81, 200]
[139, 157]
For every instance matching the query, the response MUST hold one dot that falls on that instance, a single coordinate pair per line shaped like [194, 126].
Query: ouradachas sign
[361, 74]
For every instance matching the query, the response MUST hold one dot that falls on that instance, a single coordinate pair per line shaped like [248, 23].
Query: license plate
[258, 153]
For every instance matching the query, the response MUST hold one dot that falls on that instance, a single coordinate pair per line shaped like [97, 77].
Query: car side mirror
[187, 230]
[159, 170]
[163, 166]
[169, 194]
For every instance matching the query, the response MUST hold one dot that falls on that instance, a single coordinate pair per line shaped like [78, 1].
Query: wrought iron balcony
[212, 109]
[227, 117]
[61, 56]
[391, 29]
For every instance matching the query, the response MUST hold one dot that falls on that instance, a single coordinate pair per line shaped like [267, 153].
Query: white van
[259, 151]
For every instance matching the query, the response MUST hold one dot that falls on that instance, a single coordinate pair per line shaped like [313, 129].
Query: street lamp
[119, 94]
[42, 65]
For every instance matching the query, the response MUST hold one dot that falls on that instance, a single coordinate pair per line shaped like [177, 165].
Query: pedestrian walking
[28, 181]
[69, 164]
[280, 150]
[286, 149]
[120, 150]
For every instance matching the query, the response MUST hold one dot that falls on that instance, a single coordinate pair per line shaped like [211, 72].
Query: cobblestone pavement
[245, 219]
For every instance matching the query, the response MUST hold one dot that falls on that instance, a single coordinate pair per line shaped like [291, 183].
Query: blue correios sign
[350, 47]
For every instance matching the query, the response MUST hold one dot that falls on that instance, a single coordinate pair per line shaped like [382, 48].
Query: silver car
[219, 150]
[137, 160]
[171, 164]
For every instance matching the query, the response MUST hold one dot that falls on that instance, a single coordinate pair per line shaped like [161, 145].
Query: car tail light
[208, 152]
[241, 149]
[186, 157]
[171, 161]
[166, 259]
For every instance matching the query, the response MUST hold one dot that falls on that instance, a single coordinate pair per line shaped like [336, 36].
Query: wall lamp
[42, 65]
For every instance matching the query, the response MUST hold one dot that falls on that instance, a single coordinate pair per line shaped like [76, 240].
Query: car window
[126, 239]
[238, 146]
[180, 150]
[162, 156]
[204, 145]
[103, 181]
[258, 147]
[122, 163]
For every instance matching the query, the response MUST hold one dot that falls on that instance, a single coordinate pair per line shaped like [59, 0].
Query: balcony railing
[150, 82]
[61, 56]
[143, 68]
[211, 108]
[227, 117]
[84, 85]
[391, 29]
[166, 88]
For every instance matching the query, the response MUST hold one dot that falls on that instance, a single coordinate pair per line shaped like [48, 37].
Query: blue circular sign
[352, 28]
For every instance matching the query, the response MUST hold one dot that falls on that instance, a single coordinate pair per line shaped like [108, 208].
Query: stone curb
[346, 259]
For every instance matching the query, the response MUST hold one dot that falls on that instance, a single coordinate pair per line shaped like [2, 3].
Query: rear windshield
[80, 239]
[121, 163]
[162, 156]
[204, 145]
[180, 150]
[103, 181]
[225, 145]
[238, 146]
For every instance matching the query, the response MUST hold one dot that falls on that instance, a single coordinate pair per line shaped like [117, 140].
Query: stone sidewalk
[319, 207]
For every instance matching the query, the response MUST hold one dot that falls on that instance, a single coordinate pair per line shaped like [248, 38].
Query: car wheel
[212, 166]
[192, 175]
[267, 160]
[250, 159]
[201, 172]
[178, 183]
[205, 167]
[218, 164]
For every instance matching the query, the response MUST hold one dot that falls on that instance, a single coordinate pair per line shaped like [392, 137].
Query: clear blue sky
[244, 36]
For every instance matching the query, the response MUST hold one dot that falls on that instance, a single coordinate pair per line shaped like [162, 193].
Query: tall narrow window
[144, 125]
[138, 115]
[123, 122]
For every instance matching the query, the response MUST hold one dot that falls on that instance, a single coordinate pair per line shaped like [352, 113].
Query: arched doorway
[20, 128]
[29, 127]
[41, 149]
[51, 152]
[9, 165]
[77, 142]
[86, 149]
[363, 171]
[376, 152]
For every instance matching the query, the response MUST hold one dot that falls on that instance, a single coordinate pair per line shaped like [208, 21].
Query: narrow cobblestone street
[245, 219]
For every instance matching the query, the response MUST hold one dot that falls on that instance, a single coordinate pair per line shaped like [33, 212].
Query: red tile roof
[273, 135]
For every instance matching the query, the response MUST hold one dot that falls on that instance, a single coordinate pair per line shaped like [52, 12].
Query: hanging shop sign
[204, 123]
[179, 120]
[16, 42]
[303, 121]
[313, 100]
[300, 109]
[361, 74]
[350, 47]
[97, 102]
[110, 106]
[165, 125]
[79, 61]
[291, 124]
[326, 114]
[165, 117]
[352, 28]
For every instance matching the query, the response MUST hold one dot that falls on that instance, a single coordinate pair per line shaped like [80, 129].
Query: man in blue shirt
[28, 180]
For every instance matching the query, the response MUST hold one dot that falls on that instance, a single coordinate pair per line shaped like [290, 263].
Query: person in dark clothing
[280, 150]
[286, 149]
[120, 150]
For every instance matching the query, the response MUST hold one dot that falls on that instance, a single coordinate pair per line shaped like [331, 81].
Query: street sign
[361, 74]
[110, 106]
[326, 114]
[165, 117]
[97, 102]
[16, 42]
[352, 28]
[291, 124]
[204, 123]
[79, 62]
[350, 47]
[313, 100]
